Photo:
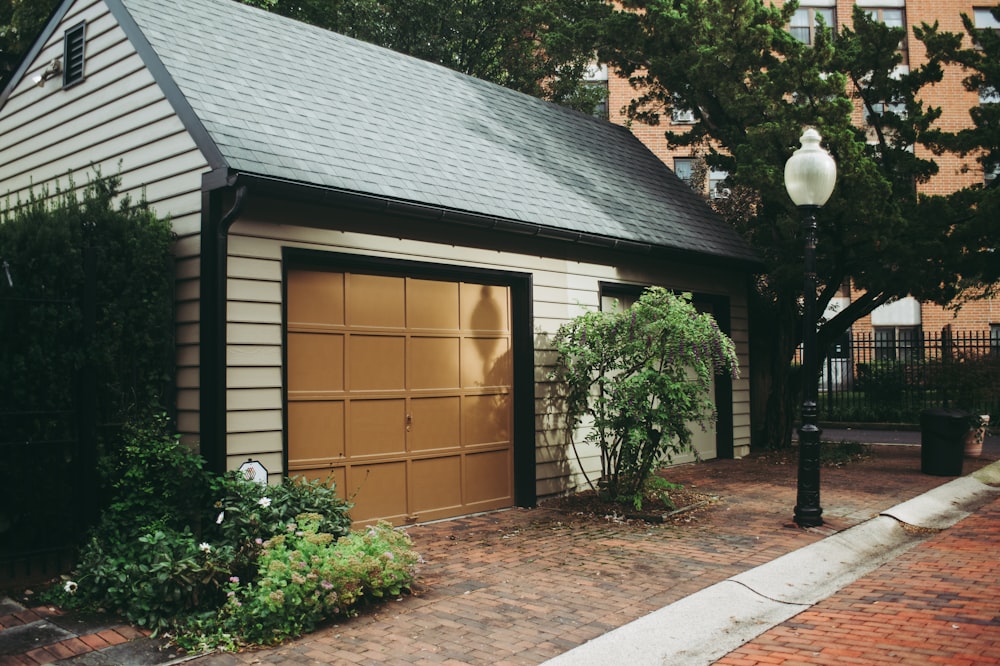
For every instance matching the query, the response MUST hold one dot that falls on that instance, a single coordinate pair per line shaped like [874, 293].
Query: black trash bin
[942, 441]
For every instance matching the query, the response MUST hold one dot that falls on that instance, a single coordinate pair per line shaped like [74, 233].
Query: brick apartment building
[902, 320]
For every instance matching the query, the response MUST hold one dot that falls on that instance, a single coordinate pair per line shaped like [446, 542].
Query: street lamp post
[810, 174]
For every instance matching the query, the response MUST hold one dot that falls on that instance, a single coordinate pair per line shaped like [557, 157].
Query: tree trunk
[774, 383]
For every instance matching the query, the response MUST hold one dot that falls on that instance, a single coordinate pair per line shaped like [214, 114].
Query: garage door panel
[376, 301]
[377, 428]
[434, 363]
[377, 362]
[486, 419]
[488, 477]
[379, 491]
[317, 428]
[486, 362]
[316, 297]
[431, 304]
[315, 362]
[435, 484]
[485, 307]
[435, 424]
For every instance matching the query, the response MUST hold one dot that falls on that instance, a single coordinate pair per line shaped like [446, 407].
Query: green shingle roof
[285, 100]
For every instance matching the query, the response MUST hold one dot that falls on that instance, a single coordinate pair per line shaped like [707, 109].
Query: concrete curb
[715, 621]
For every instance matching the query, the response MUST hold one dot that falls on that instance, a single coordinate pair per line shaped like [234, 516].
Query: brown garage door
[401, 388]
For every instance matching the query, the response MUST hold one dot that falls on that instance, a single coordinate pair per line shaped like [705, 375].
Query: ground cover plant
[220, 562]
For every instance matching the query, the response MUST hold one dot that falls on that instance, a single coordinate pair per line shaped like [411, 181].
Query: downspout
[213, 318]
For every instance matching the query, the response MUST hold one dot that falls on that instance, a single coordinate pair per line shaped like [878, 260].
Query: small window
[898, 343]
[892, 17]
[684, 168]
[619, 297]
[984, 19]
[682, 116]
[805, 22]
[880, 108]
[74, 44]
[596, 76]
[995, 339]
[601, 107]
[716, 184]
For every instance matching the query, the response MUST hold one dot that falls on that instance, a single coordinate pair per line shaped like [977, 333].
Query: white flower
[204, 547]
[264, 502]
[218, 520]
[70, 587]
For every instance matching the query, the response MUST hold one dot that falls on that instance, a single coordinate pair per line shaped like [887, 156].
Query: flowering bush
[639, 377]
[261, 564]
[248, 513]
[306, 576]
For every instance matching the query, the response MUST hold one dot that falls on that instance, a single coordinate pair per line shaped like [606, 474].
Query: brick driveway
[521, 586]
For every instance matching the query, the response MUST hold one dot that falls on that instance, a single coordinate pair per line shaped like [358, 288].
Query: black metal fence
[874, 377]
[47, 433]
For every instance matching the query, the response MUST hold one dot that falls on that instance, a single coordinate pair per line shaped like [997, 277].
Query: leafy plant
[249, 513]
[156, 483]
[257, 565]
[306, 576]
[658, 487]
[638, 378]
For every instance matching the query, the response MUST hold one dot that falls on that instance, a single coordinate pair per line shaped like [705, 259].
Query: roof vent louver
[74, 44]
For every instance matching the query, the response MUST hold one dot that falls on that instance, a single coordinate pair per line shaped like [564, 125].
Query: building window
[988, 95]
[74, 47]
[893, 17]
[716, 184]
[679, 115]
[596, 76]
[806, 20]
[995, 339]
[619, 297]
[897, 343]
[984, 19]
[879, 109]
[990, 175]
[684, 168]
[601, 108]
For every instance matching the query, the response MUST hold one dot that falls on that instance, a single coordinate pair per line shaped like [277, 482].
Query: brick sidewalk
[521, 586]
[49, 636]
[936, 604]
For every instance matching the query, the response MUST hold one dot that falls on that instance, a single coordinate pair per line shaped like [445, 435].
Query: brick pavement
[521, 586]
[936, 604]
[61, 641]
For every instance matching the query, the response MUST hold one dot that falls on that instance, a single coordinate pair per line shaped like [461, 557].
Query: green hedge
[43, 245]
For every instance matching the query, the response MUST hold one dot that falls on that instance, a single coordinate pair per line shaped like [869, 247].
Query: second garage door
[401, 389]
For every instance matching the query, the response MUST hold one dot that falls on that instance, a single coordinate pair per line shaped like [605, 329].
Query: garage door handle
[409, 422]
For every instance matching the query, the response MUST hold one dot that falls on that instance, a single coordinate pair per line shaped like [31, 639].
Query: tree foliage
[20, 23]
[752, 87]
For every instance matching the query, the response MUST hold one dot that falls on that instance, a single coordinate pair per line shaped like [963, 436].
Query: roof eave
[364, 201]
